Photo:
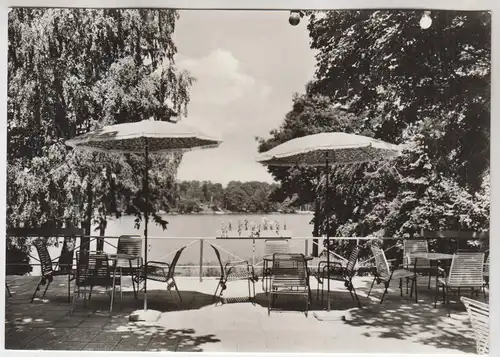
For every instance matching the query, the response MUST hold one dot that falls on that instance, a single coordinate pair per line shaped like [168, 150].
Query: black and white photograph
[229, 180]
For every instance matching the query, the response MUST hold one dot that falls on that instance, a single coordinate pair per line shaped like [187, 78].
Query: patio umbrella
[144, 137]
[326, 149]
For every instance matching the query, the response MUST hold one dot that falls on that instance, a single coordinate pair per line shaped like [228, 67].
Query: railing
[109, 247]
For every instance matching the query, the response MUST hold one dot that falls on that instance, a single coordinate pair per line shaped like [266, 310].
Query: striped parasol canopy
[326, 149]
[332, 148]
[128, 138]
[144, 137]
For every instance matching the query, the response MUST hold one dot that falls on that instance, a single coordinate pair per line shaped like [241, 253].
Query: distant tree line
[206, 196]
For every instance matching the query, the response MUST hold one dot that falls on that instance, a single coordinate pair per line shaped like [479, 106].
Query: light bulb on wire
[426, 21]
[294, 18]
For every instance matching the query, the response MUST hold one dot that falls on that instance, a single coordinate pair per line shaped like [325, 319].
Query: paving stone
[22, 337]
[68, 345]
[69, 321]
[108, 337]
[134, 341]
[81, 334]
[99, 346]
[161, 346]
[40, 343]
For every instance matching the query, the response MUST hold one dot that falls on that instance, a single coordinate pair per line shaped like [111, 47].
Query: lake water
[187, 229]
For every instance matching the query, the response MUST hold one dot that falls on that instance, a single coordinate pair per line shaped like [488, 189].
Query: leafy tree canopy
[379, 74]
[75, 70]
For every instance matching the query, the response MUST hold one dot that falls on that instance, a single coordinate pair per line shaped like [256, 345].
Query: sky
[247, 65]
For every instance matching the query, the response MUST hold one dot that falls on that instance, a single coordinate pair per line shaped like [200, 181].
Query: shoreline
[234, 213]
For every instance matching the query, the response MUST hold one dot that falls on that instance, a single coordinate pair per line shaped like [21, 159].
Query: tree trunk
[102, 231]
[87, 225]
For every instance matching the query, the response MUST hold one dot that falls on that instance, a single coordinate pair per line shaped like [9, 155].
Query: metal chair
[272, 246]
[130, 245]
[336, 271]
[93, 270]
[486, 272]
[162, 272]
[479, 316]
[466, 272]
[383, 273]
[423, 265]
[48, 272]
[232, 271]
[289, 277]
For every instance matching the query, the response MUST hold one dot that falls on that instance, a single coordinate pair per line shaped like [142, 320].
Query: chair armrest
[155, 267]
[324, 262]
[239, 262]
[394, 264]
[154, 263]
[441, 272]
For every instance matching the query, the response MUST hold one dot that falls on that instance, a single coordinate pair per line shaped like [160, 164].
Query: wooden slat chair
[339, 272]
[423, 265]
[383, 273]
[272, 246]
[93, 270]
[232, 271]
[479, 316]
[466, 272]
[486, 272]
[289, 277]
[130, 245]
[162, 272]
[48, 271]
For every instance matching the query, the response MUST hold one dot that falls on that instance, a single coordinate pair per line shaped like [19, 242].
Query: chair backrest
[131, 245]
[479, 316]
[381, 264]
[276, 246]
[289, 270]
[353, 259]
[487, 266]
[81, 268]
[94, 269]
[65, 263]
[217, 254]
[44, 256]
[467, 269]
[415, 246]
[91, 267]
[177, 255]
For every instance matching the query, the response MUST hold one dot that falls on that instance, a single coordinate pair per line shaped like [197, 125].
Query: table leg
[415, 277]
[253, 254]
[113, 289]
[264, 277]
[121, 290]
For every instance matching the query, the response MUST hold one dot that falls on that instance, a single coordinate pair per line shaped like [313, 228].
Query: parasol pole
[327, 206]
[146, 194]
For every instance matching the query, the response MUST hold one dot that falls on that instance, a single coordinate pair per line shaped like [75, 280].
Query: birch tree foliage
[75, 70]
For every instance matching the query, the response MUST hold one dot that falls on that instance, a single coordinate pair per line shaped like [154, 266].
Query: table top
[432, 256]
[270, 257]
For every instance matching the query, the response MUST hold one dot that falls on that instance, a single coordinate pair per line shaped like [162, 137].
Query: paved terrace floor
[399, 325]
